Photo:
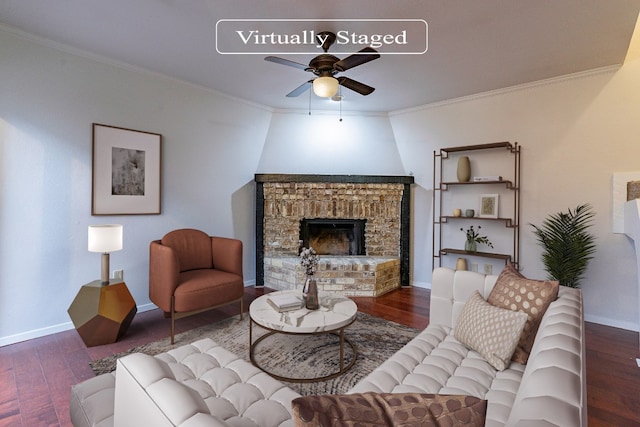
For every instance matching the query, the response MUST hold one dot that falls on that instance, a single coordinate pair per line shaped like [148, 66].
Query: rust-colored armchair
[191, 272]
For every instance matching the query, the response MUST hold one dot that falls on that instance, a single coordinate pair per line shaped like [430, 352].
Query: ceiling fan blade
[300, 89]
[361, 57]
[355, 86]
[286, 62]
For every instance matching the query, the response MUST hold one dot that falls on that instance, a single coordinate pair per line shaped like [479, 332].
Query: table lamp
[105, 238]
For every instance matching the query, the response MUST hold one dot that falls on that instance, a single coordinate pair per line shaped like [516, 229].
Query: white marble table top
[335, 312]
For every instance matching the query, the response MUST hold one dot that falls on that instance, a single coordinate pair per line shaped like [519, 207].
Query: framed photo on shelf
[126, 174]
[488, 206]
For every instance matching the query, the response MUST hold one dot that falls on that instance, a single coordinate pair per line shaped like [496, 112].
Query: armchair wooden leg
[241, 307]
[173, 320]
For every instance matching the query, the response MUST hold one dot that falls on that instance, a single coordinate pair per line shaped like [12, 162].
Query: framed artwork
[126, 175]
[488, 206]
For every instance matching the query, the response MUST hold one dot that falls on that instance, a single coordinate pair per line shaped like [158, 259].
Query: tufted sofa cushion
[435, 362]
[204, 380]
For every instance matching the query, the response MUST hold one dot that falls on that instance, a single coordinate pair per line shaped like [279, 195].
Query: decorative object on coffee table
[311, 292]
[309, 261]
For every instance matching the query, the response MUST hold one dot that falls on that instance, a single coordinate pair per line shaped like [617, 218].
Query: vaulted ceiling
[473, 46]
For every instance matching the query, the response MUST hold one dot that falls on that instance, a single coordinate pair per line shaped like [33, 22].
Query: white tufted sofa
[204, 384]
[550, 390]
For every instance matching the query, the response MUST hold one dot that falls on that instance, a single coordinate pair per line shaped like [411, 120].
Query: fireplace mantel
[353, 182]
[351, 179]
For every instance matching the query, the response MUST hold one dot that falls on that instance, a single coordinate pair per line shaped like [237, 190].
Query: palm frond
[568, 245]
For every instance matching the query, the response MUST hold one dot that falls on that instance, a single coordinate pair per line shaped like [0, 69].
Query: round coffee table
[334, 315]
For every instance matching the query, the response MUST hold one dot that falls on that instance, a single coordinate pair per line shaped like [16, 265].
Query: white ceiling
[474, 46]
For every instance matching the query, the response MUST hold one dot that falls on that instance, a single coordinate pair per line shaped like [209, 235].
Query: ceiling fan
[325, 66]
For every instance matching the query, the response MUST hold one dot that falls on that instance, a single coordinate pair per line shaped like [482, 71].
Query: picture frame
[126, 171]
[488, 206]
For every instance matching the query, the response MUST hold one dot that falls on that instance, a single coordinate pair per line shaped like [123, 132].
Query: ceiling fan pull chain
[310, 102]
[340, 94]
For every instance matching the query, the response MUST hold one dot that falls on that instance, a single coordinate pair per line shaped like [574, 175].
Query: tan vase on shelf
[461, 264]
[464, 169]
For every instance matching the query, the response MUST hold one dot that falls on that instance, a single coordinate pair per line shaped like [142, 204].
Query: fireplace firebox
[329, 236]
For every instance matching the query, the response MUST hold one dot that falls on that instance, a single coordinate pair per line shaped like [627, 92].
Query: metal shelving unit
[511, 221]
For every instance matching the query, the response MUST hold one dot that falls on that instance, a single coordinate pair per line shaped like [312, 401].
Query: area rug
[300, 356]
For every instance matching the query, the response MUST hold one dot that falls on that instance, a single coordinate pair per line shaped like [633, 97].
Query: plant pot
[471, 246]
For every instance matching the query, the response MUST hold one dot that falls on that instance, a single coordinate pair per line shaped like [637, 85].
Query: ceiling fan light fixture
[325, 87]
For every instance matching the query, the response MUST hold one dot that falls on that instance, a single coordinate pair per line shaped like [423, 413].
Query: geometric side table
[102, 313]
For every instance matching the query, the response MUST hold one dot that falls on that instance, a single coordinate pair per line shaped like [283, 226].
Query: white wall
[575, 133]
[49, 99]
[299, 143]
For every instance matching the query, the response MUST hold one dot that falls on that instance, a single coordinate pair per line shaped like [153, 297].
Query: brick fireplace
[382, 203]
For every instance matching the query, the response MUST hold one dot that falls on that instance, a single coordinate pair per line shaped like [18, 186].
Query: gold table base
[337, 332]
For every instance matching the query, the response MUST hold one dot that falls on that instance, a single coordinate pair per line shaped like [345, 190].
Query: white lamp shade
[325, 87]
[105, 238]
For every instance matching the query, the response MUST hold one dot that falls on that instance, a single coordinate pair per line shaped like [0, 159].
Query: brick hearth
[353, 276]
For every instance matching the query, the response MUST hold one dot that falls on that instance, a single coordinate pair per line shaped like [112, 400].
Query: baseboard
[36, 333]
[426, 285]
[606, 321]
[61, 327]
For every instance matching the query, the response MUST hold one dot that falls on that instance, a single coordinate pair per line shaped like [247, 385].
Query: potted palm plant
[568, 245]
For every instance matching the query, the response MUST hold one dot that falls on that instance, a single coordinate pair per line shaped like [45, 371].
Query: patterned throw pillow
[515, 292]
[491, 331]
[384, 409]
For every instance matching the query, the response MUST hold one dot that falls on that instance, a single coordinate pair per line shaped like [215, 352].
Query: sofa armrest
[553, 387]
[164, 272]
[227, 254]
[91, 402]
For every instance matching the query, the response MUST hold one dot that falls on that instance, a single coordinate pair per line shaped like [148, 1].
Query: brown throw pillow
[515, 292]
[386, 409]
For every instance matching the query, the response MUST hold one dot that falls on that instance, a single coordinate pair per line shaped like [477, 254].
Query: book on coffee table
[285, 302]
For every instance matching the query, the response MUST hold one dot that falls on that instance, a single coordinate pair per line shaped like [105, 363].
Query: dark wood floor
[36, 375]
